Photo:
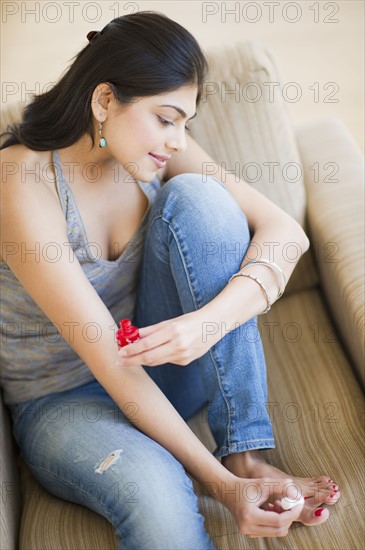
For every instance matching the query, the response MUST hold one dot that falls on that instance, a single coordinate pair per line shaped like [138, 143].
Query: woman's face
[147, 128]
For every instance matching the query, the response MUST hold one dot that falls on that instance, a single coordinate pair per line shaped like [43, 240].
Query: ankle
[245, 461]
[243, 457]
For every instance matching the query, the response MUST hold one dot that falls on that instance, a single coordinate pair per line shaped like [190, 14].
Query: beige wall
[323, 57]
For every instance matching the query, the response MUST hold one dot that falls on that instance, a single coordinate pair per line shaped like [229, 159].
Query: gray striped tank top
[35, 358]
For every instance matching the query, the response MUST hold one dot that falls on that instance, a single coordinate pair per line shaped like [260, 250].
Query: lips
[160, 157]
[160, 160]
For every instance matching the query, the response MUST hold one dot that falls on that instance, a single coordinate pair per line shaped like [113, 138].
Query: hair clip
[92, 35]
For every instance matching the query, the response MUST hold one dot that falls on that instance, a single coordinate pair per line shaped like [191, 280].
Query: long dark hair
[140, 54]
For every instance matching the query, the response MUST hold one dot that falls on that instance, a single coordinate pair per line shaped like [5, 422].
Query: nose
[177, 141]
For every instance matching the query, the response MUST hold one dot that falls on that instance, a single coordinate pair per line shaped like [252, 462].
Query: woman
[107, 214]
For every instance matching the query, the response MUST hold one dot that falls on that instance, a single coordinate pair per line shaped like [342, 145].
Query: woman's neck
[92, 162]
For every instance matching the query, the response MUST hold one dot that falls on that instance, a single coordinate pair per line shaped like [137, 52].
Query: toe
[332, 491]
[324, 481]
[333, 497]
[314, 517]
[325, 490]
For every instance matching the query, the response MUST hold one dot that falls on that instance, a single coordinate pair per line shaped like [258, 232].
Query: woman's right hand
[248, 501]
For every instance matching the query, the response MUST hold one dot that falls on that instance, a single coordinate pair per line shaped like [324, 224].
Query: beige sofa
[313, 336]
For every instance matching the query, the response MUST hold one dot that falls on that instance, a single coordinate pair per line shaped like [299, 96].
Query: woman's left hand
[179, 340]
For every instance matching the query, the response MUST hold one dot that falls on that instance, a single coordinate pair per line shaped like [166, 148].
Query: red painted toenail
[330, 480]
[306, 498]
[318, 512]
[331, 496]
[335, 491]
[334, 486]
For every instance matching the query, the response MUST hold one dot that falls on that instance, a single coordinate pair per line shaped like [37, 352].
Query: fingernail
[318, 512]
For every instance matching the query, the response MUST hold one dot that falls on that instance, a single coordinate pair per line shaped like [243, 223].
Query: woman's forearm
[146, 406]
[283, 242]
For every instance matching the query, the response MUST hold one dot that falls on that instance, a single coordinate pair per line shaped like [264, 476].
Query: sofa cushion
[245, 129]
[336, 222]
[9, 484]
[10, 114]
[49, 522]
[244, 124]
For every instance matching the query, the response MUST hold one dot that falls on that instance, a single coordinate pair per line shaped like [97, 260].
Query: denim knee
[198, 227]
[206, 194]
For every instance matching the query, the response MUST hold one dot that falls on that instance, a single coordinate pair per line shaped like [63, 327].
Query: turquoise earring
[102, 140]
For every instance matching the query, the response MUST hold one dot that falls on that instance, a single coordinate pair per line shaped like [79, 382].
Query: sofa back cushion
[10, 114]
[244, 124]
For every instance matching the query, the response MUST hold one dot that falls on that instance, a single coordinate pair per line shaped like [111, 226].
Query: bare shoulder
[26, 190]
[22, 163]
[19, 153]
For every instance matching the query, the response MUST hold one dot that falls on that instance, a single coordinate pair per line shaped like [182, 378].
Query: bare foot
[316, 490]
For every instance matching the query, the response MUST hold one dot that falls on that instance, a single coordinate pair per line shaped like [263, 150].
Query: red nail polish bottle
[127, 334]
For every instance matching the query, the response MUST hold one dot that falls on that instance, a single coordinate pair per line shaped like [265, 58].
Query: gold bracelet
[261, 285]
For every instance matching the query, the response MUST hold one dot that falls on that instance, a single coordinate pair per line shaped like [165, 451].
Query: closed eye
[165, 122]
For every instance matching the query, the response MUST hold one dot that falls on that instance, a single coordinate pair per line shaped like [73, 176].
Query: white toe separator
[289, 503]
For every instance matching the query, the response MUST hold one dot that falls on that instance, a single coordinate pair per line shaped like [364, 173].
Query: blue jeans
[82, 448]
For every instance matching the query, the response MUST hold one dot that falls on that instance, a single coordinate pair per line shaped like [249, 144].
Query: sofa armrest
[334, 180]
[10, 491]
